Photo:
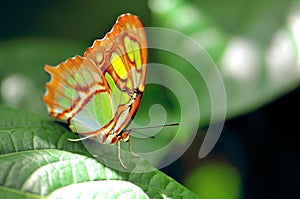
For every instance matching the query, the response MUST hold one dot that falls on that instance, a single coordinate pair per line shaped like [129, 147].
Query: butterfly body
[98, 93]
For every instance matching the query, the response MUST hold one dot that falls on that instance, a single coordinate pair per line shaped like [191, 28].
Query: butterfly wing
[78, 94]
[123, 53]
[100, 92]
[122, 56]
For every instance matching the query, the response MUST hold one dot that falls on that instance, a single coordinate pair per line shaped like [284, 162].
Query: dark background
[262, 144]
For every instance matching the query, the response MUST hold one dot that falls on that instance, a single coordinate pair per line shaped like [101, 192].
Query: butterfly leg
[119, 156]
[131, 151]
[80, 139]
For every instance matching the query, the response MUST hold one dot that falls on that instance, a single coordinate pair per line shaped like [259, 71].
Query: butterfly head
[124, 136]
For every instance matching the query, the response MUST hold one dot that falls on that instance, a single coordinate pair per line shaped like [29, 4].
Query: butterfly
[99, 93]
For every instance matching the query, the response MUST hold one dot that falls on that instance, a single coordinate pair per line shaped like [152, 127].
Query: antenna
[151, 127]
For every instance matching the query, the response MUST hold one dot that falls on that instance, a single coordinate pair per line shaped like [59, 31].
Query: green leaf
[37, 161]
[109, 189]
[22, 131]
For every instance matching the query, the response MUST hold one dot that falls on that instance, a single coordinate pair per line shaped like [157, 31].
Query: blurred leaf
[37, 160]
[258, 64]
[22, 77]
[215, 180]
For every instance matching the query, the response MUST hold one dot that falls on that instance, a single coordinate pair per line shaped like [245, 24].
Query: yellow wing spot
[118, 65]
[137, 55]
[128, 47]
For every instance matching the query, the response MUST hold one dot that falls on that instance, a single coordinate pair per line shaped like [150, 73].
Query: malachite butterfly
[98, 94]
